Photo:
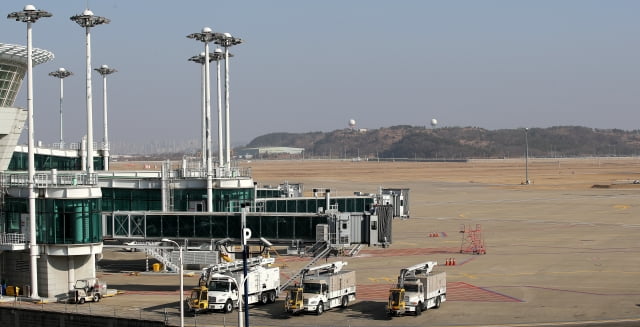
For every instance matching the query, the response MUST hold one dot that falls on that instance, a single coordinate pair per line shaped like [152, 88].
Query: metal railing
[12, 238]
[48, 179]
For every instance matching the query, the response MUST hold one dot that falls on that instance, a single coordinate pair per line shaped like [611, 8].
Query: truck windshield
[312, 288]
[219, 285]
[411, 288]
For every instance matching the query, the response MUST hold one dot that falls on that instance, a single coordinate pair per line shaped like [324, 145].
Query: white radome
[434, 122]
[352, 122]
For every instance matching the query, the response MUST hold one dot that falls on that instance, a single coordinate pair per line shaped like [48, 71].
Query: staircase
[164, 256]
[355, 250]
[320, 250]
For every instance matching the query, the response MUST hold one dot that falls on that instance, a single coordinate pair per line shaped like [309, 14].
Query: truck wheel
[320, 308]
[96, 298]
[272, 296]
[438, 301]
[345, 301]
[263, 298]
[228, 307]
[81, 301]
[418, 309]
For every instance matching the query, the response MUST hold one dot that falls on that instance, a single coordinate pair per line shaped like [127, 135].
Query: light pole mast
[526, 157]
[61, 73]
[88, 20]
[30, 15]
[226, 41]
[104, 70]
[206, 36]
[219, 56]
[181, 272]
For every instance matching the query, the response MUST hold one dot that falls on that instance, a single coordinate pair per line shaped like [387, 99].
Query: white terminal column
[30, 15]
[226, 41]
[199, 59]
[207, 36]
[61, 73]
[88, 20]
[104, 70]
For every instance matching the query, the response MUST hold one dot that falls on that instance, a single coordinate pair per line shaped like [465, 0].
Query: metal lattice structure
[472, 241]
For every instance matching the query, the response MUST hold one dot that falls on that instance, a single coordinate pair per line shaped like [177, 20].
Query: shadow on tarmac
[367, 310]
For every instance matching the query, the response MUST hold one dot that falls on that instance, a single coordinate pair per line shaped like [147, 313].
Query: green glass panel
[254, 223]
[186, 226]
[154, 226]
[170, 226]
[219, 227]
[203, 226]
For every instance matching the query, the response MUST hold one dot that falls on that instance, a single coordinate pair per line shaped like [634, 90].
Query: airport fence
[162, 315]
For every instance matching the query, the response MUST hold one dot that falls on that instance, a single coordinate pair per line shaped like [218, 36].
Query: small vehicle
[89, 289]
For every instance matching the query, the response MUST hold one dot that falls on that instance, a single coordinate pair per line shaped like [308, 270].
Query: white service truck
[418, 289]
[220, 287]
[323, 287]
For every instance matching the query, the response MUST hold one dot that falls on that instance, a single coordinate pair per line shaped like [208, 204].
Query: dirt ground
[563, 250]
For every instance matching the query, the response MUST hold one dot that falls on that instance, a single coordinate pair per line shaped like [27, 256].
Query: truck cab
[414, 296]
[314, 295]
[222, 293]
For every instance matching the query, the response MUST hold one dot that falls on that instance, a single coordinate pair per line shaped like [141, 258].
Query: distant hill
[458, 142]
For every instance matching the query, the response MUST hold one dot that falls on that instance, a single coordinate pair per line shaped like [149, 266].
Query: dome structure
[13, 67]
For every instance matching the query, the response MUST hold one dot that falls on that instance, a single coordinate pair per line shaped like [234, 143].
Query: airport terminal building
[77, 210]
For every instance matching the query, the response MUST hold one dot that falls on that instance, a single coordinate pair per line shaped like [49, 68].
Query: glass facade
[270, 193]
[58, 221]
[214, 226]
[224, 200]
[19, 161]
[311, 205]
[121, 199]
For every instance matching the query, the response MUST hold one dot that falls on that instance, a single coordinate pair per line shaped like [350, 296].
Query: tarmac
[554, 257]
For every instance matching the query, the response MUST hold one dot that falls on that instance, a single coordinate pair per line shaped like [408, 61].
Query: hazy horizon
[313, 66]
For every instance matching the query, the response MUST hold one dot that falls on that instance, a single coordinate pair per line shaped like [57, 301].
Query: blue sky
[313, 65]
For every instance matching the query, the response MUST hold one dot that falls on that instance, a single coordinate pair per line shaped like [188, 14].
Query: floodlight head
[207, 30]
[87, 19]
[266, 242]
[227, 34]
[29, 15]
[105, 66]
[202, 54]
[62, 70]
[218, 50]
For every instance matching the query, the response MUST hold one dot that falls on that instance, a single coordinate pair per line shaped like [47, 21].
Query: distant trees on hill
[458, 142]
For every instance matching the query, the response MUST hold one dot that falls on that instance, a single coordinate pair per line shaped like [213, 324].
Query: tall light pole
[104, 70]
[181, 281]
[526, 157]
[207, 36]
[61, 73]
[226, 40]
[88, 20]
[199, 59]
[30, 15]
[219, 56]
[246, 234]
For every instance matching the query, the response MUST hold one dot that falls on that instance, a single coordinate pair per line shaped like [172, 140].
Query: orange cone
[453, 261]
[448, 262]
